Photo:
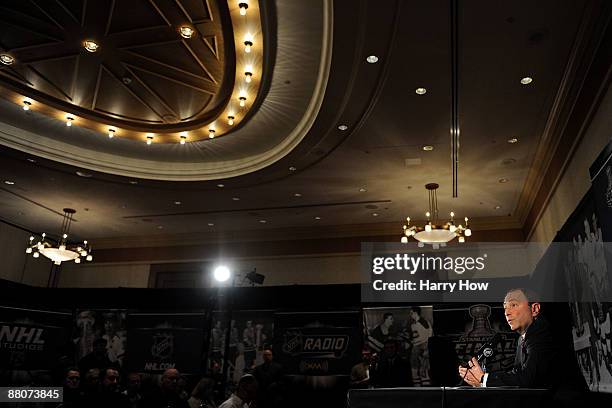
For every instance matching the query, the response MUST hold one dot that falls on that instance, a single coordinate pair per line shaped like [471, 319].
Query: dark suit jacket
[545, 364]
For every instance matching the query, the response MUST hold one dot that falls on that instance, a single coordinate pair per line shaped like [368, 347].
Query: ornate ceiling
[331, 143]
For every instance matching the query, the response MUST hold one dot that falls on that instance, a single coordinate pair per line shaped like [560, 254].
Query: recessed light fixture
[160, 227]
[262, 221]
[292, 168]
[342, 127]
[317, 218]
[248, 75]
[248, 44]
[497, 207]
[149, 138]
[83, 174]
[210, 224]
[243, 8]
[513, 140]
[362, 190]
[526, 80]
[69, 120]
[230, 120]
[31, 160]
[133, 182]
[186, 31]
[211, 133]
[111, 133]
[236, 198]
[374, 214]
[428, 148]
[372, 59]
[220, 185]
[9, 182]
[183, 138]
[420, 91]
[26, 105]
[91, 45]
[503, 180]
[6, 59]
[297, 195]
[177, 203]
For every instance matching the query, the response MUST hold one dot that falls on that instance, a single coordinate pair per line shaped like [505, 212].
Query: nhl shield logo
[163, 345]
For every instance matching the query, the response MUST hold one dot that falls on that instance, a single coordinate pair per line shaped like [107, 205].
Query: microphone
[488, 349]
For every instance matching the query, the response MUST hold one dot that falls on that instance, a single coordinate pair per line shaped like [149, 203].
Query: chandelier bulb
[57, 262]
[31, 238]
[211, 133]
[28, 250]
[452, 214]
[466, 220]
[111, 133]
[230, 120]
[35, 254]
[247, 46]
[408, 219]
[427, 214]
[77, 260]
[428, 227]
[404, 240]
[461, 240]
[26, 105]
[44, 234]
[452, 228]
[89, 258]
[468, 232]
[62, 247]
[84, 242]
[65, 236]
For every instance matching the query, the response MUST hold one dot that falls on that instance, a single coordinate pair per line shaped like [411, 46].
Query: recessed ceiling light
[343, 127]
[297, 195]
[220, 185]
[362, 190]
[243, 8]
[111, 133]
[133, 182]
[428, 148]
[177, 203]
[292, 168]
[503, 180]
[32, 160]
[262, 221]
[9, 182]
[236, 198]
[497, 207]
[83, 174]
[210, 224]
[317, 218]
[160, 227]
[526, 80]
[6, 59]
[26, 105]
[186, 31]
[372, 59]
[374, 214]
[513, 140]
[91, 45]
[420, 91]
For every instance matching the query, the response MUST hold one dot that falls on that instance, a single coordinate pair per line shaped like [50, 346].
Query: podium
[448, 397]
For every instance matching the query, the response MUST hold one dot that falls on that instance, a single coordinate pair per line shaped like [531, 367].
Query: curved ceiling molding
[287, 113]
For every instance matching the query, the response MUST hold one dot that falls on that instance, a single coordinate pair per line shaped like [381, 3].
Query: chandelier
[60, 250]
[433, 233]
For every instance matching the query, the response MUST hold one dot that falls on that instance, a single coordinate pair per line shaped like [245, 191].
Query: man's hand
[472, 375]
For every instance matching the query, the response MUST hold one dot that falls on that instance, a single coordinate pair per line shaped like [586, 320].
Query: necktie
[520, 355]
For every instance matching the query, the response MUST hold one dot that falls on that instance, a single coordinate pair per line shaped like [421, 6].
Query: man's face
[267, 356]
[519, 314]
[73, 378]
[389, 320]
[170, 380]
[111, 379]
[134, 382]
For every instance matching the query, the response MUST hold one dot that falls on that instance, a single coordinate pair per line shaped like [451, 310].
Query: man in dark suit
[539, 361]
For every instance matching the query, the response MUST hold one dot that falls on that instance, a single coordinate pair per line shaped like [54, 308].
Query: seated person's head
[72, 379]
[521, 308]
[247, 388]
[133, 381]
[110, 381]
[170, 379]
[268, 356]
[92, 377]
